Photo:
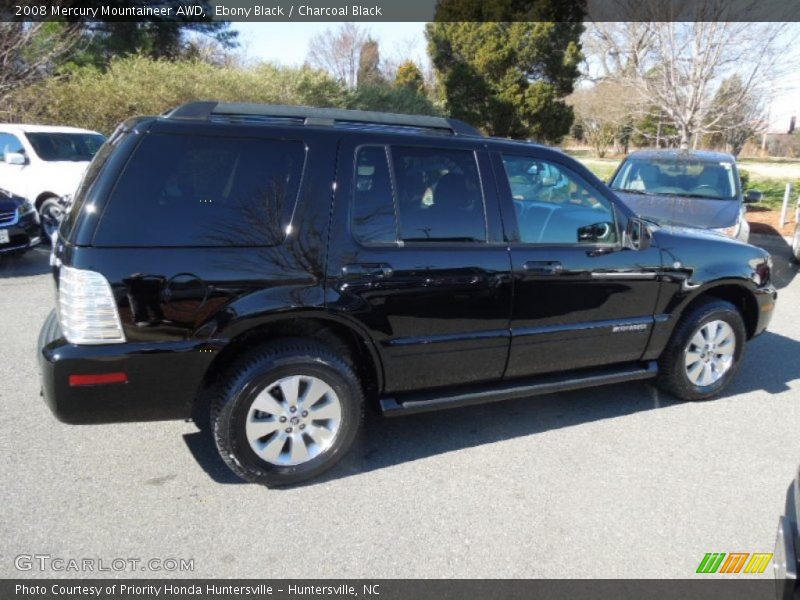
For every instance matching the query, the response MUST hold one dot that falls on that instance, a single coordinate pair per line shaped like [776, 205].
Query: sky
[287, 44]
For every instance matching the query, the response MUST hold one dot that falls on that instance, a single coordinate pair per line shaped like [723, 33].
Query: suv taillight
[86, 308]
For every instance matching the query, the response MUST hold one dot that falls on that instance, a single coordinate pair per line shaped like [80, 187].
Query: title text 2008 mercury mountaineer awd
[271, 270]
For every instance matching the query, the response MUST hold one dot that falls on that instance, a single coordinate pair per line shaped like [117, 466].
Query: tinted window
[682, 177]
[556, 206]
[204, 191]
[429, 194]
[9, 143]
[373, 207]
[87, 181]
[438, 195]
[76, 147]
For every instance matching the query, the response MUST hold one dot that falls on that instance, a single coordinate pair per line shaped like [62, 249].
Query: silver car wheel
[796, 243]
[710, 353]
[293, 420]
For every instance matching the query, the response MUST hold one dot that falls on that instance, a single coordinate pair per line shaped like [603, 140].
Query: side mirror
[637, 235]
[751, 196]
[15, 158]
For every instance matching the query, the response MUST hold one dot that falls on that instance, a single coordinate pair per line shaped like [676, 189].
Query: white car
[42, 163]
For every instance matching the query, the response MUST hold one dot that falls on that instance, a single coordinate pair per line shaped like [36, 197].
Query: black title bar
[734, 588]
[366, 11]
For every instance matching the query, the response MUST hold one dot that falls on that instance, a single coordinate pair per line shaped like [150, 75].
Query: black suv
[275, 269]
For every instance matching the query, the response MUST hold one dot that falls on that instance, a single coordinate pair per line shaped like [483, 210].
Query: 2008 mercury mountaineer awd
[270, 270]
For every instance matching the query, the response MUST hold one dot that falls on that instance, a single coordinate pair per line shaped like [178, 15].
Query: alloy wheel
[293, 420]
[710, 353]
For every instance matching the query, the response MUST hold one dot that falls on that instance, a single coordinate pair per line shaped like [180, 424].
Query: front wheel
[704, 352]
[50, 213]
[287, 414]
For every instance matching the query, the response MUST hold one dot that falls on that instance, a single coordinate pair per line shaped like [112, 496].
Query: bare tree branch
[678, 67]
[31, 51]
[339, 52]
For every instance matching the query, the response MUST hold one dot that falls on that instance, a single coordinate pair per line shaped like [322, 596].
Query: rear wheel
[287, 414]
[704, 352]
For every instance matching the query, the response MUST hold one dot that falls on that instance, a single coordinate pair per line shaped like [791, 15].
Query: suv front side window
[554, 205]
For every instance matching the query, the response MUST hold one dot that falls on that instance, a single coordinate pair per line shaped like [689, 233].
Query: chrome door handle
[543, 267]
[379, 270]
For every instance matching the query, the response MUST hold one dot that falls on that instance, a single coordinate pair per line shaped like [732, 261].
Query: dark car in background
[686, 187]
[19, 224]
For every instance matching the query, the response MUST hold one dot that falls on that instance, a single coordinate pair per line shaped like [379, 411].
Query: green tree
[655, 128]
[30, 52]
[384, 97]
[167, 38]
[508, 78]
[100, 99]
[410, 77]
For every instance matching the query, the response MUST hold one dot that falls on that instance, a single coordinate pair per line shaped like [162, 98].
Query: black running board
[418, 402]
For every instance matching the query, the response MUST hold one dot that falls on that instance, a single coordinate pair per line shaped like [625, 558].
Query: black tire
[672, 376]
[50, 216]
[796, 244]
[248, 377]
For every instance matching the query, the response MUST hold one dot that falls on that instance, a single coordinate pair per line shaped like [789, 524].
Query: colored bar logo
[734, 562]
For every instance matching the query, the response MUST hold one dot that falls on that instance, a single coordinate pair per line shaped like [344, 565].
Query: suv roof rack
[306, 115]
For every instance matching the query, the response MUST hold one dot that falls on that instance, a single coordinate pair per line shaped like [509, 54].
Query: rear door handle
[543, 267]
[372, 270]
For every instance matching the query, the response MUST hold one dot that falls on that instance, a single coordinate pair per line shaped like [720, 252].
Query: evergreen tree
[410, 77]
[509, 77]
[166, 38]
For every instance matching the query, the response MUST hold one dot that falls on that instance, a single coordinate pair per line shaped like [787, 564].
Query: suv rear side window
[374, 220]
[204, 191]
[429, 195]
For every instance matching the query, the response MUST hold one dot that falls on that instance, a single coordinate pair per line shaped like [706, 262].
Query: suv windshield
[76, 147]
[677, 177]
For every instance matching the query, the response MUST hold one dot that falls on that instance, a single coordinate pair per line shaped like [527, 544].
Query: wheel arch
[340, 334]
[42, 197]
[737, 294]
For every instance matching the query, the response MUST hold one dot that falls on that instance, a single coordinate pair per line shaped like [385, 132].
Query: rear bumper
[162, 378]
[765, 299]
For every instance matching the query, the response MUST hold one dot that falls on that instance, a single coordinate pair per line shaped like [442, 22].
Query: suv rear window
[204, 191]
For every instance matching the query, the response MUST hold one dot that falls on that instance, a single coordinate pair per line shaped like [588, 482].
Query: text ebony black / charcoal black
[273, 270]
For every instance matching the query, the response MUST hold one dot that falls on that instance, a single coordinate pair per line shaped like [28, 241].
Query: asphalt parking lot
[620, 481]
